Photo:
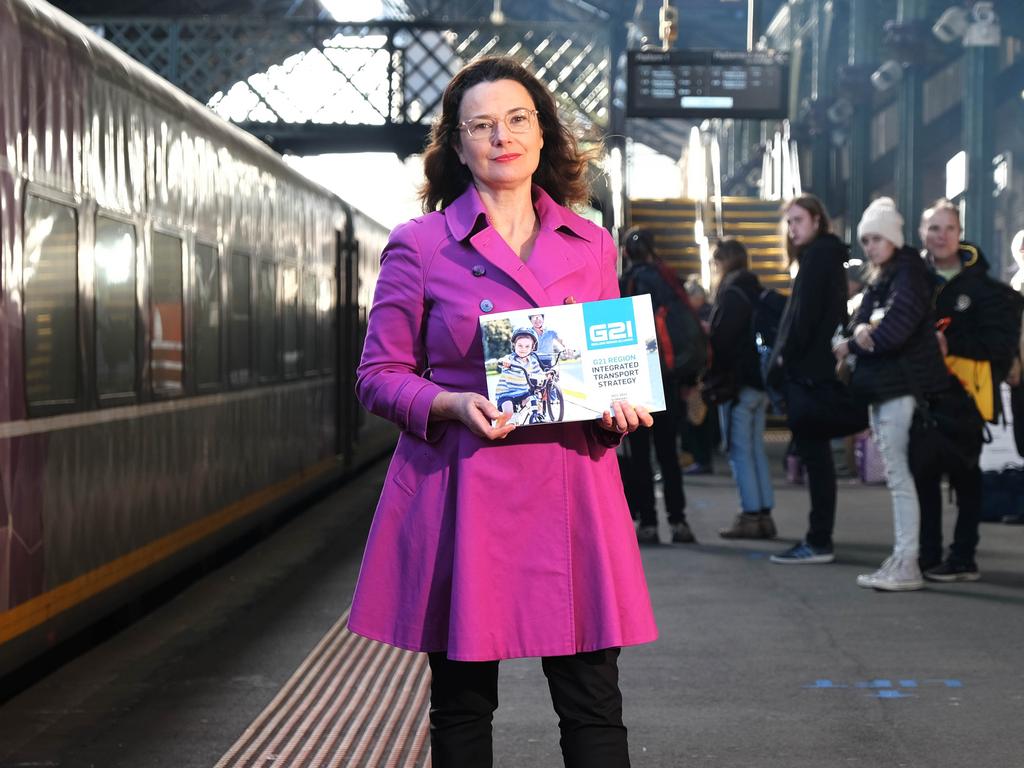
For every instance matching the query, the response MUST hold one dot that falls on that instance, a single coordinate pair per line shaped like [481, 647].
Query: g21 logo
[603, 333]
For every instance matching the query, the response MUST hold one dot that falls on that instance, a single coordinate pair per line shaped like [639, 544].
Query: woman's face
[500, 159]
[878, 248]
[801, 226]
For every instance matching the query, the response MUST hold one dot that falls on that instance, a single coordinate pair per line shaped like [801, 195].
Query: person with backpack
[803, 354]
[644, 273]
[981, 327]
[734, 359]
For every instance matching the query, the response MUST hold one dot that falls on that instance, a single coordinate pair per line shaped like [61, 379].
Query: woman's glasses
[516, 120]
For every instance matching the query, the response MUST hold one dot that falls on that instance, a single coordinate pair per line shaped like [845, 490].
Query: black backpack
[682, 343]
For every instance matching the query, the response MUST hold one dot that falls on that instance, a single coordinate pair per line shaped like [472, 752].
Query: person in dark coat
[641, 276]
[980, 328]
[816, 309]
[897, 356]
[734, 357]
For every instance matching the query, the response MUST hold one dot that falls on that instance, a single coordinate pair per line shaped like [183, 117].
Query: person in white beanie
[893, 338]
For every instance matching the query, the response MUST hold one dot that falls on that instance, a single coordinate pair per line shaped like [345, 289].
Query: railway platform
[758, 664]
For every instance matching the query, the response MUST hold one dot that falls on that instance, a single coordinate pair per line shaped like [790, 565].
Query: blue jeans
[890, 423]
[743, 427]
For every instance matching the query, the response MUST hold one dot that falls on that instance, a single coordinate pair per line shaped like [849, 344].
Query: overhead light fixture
[497, 17]
[984, 30]
[979, 28]
[887, 75]
[951, 24]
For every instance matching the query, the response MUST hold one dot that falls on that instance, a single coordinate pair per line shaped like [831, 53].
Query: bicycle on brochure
[545, 403]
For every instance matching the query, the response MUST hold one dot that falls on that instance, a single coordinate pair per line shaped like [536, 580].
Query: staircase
[753, 221]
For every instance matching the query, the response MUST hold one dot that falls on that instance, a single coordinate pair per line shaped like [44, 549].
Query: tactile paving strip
[353, 703]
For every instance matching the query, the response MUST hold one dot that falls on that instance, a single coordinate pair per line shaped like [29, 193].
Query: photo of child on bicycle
[542, 367]
[520, 372]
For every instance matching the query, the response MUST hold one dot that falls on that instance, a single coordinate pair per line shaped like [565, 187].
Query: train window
[290, 321]
[239, 326]
[115, 307]
[51, 302]
[167, 351]
[206, 316]
[266, 338]
[309, 310]
[326, 306]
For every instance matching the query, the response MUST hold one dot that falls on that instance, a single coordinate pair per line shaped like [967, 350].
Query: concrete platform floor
[757, 665]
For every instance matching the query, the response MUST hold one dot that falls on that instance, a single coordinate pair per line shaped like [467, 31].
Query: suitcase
[870, 465]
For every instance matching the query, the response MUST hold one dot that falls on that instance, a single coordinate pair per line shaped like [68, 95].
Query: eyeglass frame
[464, 125]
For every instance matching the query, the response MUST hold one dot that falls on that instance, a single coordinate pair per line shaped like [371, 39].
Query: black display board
[699, 84]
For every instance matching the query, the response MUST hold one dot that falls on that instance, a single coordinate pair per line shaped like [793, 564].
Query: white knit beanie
[882, 218]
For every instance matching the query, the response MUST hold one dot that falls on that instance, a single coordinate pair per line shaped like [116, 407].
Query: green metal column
[979, 112]
[821, 88]
[908, 151]
[863, 57]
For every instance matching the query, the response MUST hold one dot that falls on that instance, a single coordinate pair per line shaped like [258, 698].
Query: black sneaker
[1015, 519]
[804, 554]
[951, 570]
[681, 533]
[647, 534]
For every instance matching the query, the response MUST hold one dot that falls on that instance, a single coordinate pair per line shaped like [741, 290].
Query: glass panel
[238, 369]
[167, 350]
[266, 341]
[325, 306]
[115, 307]
[309, 322]
[51, 302]
[290, 321]
[206, 311]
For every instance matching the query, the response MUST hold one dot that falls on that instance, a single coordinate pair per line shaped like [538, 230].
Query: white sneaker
[895, 575]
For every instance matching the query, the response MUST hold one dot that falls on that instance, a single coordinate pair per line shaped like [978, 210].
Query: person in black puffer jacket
[803, 350]
[734, 359]
[897, 356]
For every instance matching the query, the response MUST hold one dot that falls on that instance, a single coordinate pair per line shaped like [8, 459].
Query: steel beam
[978, 114]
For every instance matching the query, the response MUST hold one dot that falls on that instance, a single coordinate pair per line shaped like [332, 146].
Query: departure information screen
[702, 84]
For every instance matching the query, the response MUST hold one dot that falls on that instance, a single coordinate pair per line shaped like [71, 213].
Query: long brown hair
[814, 207]
[562, 171]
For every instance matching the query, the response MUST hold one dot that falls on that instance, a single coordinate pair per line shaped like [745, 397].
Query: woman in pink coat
[488, 542]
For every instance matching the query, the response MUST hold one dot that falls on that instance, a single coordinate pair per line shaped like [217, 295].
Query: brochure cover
[571, 362]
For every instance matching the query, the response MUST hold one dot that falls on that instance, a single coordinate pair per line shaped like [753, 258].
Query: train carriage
[182, 316]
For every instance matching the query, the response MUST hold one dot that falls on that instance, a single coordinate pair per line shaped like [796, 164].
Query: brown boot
[767, 526]
[745, 527]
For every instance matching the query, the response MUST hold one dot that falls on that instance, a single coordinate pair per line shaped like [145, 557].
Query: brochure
[572, 361]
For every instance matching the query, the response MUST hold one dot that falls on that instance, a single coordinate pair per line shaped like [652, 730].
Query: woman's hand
[862, 335]
[473, 410]
[625, 418]
[841, 350]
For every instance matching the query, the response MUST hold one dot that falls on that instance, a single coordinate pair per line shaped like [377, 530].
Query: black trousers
[821, 483]
[584, 690]
[966, 482]
[638, 476]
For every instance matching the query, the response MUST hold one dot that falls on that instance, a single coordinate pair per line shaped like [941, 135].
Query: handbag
[719, 387]
[947, 430]
[823, 409]
[1002, 494]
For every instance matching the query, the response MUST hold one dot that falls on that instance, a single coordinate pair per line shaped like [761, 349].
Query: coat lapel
[552, 259]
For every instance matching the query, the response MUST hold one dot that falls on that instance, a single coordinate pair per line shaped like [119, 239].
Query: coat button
[486, 305]
[479, 271]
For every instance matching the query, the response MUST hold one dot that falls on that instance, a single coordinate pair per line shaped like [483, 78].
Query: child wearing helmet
[516, 369]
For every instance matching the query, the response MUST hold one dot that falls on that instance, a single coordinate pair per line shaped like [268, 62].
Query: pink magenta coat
[490, 550]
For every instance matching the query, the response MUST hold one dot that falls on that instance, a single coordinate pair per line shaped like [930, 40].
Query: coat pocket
[415, 460]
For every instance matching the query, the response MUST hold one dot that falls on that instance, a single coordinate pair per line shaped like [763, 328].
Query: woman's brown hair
[813, 206]
[732, 255]
[562, 171]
